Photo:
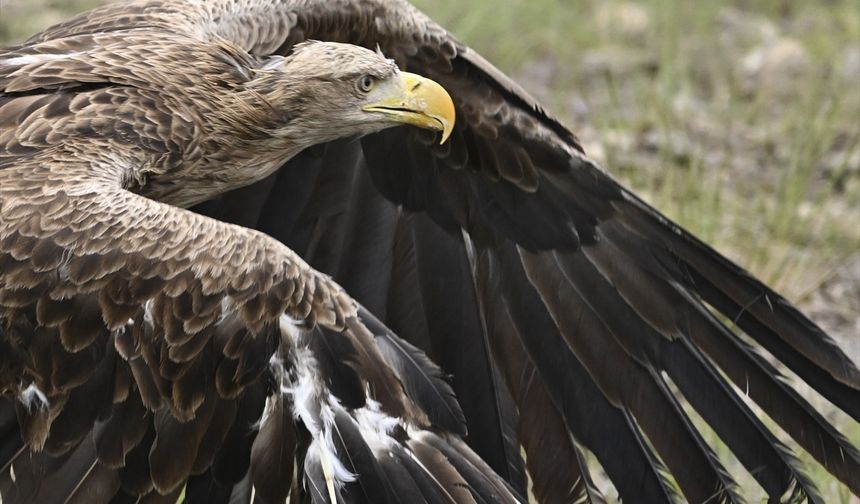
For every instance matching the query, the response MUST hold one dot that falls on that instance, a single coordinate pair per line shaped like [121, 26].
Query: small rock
[772, 67]
[595, 151]
[628, 19]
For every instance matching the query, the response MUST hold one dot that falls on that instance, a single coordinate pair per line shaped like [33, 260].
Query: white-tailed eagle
[212, 240]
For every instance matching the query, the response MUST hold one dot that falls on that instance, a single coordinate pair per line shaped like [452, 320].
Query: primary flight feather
[211, 237]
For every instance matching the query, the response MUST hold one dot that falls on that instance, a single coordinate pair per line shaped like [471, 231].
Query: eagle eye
[366, 83]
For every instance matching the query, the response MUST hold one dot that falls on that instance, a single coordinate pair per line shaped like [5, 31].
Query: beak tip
[446, 134]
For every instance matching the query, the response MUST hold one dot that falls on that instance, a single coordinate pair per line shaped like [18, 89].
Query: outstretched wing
[538, 281]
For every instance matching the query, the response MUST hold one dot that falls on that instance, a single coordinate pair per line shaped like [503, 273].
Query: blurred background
[740, 119]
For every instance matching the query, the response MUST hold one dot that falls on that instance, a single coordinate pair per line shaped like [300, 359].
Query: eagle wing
[617, 311]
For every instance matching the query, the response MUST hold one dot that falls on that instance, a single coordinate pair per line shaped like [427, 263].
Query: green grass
[768, 173]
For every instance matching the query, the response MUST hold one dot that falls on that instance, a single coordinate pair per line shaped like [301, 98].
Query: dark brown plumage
[146, 349]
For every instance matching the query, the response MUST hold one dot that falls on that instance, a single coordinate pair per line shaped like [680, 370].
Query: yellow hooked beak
[420, 102]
